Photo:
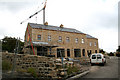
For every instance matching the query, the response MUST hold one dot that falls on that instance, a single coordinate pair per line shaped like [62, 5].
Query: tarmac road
[109, 70]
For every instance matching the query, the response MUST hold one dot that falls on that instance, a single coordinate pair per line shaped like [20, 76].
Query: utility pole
[16, 50]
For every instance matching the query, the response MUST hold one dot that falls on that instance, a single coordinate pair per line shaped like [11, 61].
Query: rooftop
[50, 27]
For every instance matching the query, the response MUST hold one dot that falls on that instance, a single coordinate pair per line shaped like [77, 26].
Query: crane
[44, 11]
[37, 13]
[31, 17]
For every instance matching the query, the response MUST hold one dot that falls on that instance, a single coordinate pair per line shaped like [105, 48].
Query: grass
[32, 71]
[72, 70]
[21, 70]
[6, 65]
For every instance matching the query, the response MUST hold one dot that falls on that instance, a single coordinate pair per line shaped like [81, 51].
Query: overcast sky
[98, 18]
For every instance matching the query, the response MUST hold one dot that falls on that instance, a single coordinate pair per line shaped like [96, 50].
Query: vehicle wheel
[92, 64]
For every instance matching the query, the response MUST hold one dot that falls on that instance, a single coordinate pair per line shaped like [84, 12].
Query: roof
[89, 36]
[50, 27]
[44, 44]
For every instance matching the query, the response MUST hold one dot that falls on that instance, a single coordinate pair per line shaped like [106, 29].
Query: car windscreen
[98, 56]
[93, 56]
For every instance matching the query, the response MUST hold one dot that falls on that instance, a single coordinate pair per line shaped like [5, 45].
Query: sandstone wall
[44, 66]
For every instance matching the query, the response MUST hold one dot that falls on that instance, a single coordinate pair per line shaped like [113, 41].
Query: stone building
[59, 41]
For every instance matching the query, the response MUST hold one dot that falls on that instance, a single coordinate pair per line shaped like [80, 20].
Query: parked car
[97, 58]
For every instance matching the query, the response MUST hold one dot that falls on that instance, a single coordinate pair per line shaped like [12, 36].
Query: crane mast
[44, 12]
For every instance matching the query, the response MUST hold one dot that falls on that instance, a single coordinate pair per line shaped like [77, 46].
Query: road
[109, 70]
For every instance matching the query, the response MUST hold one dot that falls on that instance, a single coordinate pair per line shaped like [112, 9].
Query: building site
[52, 51]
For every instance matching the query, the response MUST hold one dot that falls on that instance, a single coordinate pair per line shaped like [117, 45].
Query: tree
[118, 51]
[102, 51]
[111, 54]
[9, 44]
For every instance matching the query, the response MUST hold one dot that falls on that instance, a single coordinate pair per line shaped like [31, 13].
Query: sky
[98, 18]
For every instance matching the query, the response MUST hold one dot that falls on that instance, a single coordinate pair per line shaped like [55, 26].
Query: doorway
[42, 51]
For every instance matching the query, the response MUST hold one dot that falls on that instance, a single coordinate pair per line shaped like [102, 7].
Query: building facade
[50, 40]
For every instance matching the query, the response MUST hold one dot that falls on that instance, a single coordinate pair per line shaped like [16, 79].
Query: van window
[98, 56]
[93, 56]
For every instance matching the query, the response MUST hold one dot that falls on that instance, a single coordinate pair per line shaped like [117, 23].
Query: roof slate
[50, 27]
[89, 36]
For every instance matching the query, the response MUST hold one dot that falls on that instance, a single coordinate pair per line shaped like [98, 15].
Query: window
[95, 44]
[49, 38]
[50, 50]
[76, 40]
[60, 39]
[42, 51]
[95, 51]
[68, 52]
[67, 39]
[39, 37]
[98, 56]
[83, 40]
[60, 52]
[83, 52]
[77, 53]
[93, 56]
[90, 43]
[88, 52]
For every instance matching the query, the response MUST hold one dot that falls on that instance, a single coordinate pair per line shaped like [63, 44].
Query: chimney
[46, 23]
[61, 25]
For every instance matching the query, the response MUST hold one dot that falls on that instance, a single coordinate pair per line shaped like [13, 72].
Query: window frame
[95, 44]
[76, 40]
[90, 43]
[49, 37]
[60, 39]
[68, 52]
[67, 39]
[38, 37]
[94, 56]
[82, 40]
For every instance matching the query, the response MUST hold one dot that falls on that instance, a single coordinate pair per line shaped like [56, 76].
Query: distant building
[59, 41]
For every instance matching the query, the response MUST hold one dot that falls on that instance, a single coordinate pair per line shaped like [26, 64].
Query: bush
[32, 71]
[6, 65]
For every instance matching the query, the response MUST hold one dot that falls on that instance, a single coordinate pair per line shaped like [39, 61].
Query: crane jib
[37, 13]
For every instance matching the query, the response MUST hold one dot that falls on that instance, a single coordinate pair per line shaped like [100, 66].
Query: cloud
[15, 6]
[95, 17]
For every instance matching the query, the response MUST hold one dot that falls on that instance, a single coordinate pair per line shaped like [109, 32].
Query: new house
[45, 40]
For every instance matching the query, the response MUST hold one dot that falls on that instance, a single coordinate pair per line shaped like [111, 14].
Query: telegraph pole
[16, 51]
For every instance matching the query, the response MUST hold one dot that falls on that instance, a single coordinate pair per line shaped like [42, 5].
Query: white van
[97, 58]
